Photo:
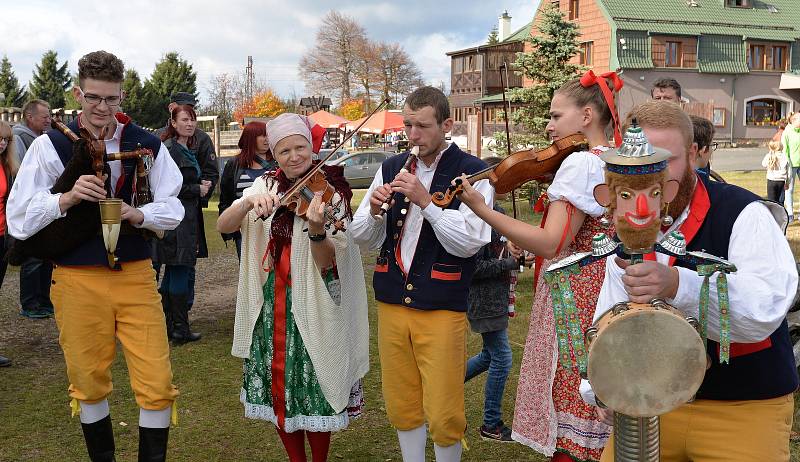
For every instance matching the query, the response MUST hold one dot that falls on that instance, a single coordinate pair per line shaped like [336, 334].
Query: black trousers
[34, 284]
[775, 190]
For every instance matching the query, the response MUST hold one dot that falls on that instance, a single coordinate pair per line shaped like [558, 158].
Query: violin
[518, 168]
[299, 202]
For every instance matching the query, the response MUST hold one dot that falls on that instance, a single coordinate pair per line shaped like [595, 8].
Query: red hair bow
[589, 79]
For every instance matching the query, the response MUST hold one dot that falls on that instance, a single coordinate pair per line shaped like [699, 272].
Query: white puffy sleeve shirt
[576, 179]
[460, 231]
[31, 206]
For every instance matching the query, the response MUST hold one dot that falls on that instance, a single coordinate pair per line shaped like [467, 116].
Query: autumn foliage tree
[263, 104]
[352, 109]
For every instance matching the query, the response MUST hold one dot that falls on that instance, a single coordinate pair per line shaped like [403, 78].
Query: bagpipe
[87, 219]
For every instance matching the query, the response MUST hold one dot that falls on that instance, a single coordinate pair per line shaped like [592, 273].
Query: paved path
[728, 160]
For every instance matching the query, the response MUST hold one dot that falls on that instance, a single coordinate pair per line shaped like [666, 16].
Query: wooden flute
[387, 204]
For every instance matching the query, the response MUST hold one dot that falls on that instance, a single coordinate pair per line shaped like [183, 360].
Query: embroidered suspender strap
[724, 306]
[589, 79]
[567, 321]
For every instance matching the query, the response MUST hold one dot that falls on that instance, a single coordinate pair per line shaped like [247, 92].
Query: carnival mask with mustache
[637, 204]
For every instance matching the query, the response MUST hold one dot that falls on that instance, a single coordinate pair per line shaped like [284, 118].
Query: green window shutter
[722, 54]
[795, 65]
[635, 51]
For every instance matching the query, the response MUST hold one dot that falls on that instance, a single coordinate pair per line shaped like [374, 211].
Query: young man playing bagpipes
[97, 302]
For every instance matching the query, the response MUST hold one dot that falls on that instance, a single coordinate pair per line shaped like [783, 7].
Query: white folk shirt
[461, 232]
[761, 290]
[31, 206]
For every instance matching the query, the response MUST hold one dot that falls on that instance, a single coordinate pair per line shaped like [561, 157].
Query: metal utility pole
[249, 79]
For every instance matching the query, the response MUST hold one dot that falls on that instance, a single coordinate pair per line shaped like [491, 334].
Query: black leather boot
[180, 317]
[99, 438]
[165, 304]
[153, 444]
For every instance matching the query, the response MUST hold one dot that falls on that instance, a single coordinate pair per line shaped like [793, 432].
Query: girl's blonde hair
[9, 158]
[774, 149]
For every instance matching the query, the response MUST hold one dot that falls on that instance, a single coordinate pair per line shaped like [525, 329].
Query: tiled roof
[520, 34]
[721, 54]
[709, 17]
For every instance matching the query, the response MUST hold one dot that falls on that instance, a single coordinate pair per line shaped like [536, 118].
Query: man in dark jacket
[209, 172]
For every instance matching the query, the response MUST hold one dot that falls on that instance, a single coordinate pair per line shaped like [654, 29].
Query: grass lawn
[34, 415]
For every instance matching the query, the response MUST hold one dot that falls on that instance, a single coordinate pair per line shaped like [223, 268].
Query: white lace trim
[532, 444]
[314, 423]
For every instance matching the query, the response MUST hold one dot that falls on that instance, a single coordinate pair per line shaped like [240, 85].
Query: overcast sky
[217, 36]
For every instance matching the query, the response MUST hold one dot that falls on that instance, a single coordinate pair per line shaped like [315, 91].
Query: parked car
[360, 167]
[339, 154]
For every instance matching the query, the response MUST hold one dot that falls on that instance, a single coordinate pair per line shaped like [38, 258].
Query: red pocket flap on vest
[446, 272]
[382, 265]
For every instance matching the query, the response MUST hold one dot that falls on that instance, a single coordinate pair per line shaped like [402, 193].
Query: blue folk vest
[130, 247]
[436, 279]
[768, 370]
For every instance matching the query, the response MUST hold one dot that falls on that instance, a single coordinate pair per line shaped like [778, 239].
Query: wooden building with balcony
[476, 88]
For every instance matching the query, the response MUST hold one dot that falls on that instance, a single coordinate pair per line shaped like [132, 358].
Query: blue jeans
[496, 358]
[788, 201]
[176, 279]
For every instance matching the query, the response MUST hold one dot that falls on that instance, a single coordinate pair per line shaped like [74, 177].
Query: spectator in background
[703, 136]
[491, 297]
[34, 274]
[35, 121]
[667, 89]
[791, 147]
[779, 132]
[9, 164]
[254, 159]
[180, 248]
[778, 170]
[203, 148]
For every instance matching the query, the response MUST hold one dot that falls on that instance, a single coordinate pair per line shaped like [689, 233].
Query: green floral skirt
[279, 382]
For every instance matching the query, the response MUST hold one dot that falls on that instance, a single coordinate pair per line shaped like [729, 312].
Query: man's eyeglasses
[713, 146]
[94, 100]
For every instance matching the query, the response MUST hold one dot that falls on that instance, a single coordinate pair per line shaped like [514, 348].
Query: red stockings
[296, 449]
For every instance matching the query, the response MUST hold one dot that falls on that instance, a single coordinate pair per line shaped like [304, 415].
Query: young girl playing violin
[549, 415]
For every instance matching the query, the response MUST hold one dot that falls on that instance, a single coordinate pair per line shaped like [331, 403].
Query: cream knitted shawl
[336, 335]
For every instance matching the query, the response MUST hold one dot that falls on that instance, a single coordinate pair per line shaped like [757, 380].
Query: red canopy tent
[381, 123]
[328, 120]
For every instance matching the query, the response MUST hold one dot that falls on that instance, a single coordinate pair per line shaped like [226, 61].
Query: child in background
[778, 171]
[490, 302]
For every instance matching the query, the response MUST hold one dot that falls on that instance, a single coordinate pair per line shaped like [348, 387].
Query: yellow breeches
[94, 306]
[729, 431]
[423, 361]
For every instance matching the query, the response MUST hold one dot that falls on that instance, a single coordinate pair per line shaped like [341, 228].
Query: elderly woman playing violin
[301, 309]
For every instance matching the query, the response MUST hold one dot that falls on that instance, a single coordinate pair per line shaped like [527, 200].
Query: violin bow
[506, 109]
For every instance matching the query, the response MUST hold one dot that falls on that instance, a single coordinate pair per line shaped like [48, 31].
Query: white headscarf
[285, 125]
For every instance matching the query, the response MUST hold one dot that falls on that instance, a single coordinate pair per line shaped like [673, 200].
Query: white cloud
[218, 36]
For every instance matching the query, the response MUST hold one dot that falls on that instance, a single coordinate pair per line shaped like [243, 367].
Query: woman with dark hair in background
[180, 248]
[253, 161]
[9, 164]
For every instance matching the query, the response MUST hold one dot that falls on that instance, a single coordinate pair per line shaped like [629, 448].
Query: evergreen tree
[15, 95]
[548, 66]
[134, 100]
[494, 39]
[171, 74]
[50, 80]
[69, 99]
